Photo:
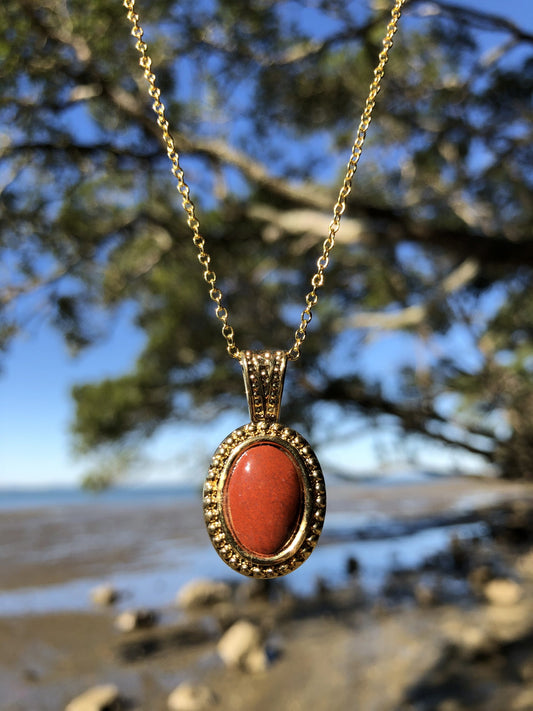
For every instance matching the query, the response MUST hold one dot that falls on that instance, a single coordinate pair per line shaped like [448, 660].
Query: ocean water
[57, 544]
[157, 585]
[17, 499]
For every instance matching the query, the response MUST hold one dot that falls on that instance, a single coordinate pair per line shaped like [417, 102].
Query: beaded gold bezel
[301, 544]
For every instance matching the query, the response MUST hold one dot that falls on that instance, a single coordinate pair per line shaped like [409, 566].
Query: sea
[18, 499]
[57, 544]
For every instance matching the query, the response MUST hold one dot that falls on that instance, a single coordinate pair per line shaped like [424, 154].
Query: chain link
[204, 258]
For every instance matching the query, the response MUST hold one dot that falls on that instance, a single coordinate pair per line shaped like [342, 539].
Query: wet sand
[340, 647]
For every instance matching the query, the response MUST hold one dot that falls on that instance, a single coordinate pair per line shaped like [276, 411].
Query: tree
[434, 259]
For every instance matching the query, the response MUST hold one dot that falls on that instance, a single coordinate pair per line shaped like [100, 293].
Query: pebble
[242, 646]
[476, 641]
[449, 705]
[202, 593]
[479, 577]
[509, 623]
[503, 592]
[255, 589]
[471, 640]
[104, 595]
[257, 660]
[130, 620]
[523, 701]
[424, 595]
[191, 697]
[524, 565]
[105, 697]
[460, 553]
[352, 566]
[526, 671]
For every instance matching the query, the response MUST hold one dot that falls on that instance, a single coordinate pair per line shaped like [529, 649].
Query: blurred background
[415, 381]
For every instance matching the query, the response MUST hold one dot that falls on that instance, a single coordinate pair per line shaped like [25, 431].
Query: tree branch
[414, 315]
[413, 419]
[483, 20]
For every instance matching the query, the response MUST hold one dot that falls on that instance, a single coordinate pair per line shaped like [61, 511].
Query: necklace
[264, 495]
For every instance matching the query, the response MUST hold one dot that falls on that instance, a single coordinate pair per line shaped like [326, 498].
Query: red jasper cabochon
[263, 498]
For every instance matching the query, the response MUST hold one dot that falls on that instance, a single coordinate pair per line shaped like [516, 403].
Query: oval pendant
[264, 496]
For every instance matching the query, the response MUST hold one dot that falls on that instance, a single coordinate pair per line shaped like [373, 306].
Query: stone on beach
[191, 697]
[352, 566]
[523, 701]
[104, 595]
[509, 623]
[254, 589]
[242, 646]
[476, 641]
[203, 593]
[425, 595]
[257, 660]
[479, 577]
[503, 592]
[130, 620]
[524, 565]
[105, 697]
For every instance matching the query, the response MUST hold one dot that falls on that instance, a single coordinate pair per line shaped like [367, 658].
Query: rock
[470, 640]
[449, 705]
[479, 577]
[191, 697]
[242, 646]
[130, 620]
[321, 586]
[424, 595]
[509, 623]
[254, 590]
[352, 566]
[257, 660]
[460, 554]
[104, 595]
[523, 701]
[30, 675]
[503, 592]
[98, 698]
[203, 593]
[476, 641]
[524, 565]
[526, 671]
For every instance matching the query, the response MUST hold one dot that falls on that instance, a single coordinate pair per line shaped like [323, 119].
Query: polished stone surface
[263, 498]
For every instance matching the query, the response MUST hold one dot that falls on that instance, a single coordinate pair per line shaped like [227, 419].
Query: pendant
[264, 495]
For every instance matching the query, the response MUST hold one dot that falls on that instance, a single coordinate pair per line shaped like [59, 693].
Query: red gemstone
[263, 498]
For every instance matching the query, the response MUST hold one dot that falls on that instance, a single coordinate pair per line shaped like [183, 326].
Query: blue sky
[36, 409]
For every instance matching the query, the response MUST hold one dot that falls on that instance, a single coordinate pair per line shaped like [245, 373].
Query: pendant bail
[264, 374]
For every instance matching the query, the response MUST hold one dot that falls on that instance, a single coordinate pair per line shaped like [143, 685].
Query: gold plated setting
[264, 374]
[306, 534]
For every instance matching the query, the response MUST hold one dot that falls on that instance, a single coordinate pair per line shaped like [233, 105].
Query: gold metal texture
[303, 540]
[264, 373]
[199, 241]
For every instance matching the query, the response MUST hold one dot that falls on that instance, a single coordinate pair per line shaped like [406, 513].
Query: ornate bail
[264, 375]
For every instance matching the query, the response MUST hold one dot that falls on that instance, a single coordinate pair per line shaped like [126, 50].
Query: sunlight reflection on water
[156, 585]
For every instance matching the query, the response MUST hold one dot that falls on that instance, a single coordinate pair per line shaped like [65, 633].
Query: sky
[36, 408]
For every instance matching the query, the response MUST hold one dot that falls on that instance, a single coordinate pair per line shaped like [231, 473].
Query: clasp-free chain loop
[317, 280]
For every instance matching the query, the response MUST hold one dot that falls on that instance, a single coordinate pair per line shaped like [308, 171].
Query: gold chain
[192, 221]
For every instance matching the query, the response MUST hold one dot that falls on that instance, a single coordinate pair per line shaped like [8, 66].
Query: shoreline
[424, 636]
[431, 640]
[56, 553]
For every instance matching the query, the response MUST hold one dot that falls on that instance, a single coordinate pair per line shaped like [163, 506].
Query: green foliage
[435, 253]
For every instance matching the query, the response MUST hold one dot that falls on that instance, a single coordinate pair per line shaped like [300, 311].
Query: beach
[392, 612]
